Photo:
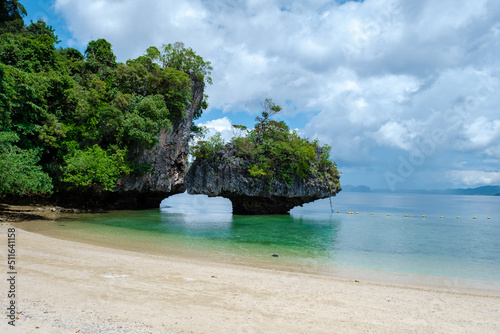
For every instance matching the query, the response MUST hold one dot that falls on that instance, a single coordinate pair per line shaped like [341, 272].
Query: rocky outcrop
[227, 175]
[167, 163]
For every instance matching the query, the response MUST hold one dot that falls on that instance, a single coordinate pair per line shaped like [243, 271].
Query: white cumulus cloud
[221, 125]
[474, 177]
[372, 79]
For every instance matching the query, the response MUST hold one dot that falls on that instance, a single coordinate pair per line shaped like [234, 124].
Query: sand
[69, 287]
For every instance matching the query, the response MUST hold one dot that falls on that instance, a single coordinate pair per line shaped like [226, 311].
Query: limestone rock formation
[227, 175]
[167, 162]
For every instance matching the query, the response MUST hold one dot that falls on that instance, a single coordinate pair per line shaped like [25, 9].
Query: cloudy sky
[406, 92]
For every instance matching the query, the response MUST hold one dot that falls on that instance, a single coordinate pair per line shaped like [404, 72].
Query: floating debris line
[406, 215]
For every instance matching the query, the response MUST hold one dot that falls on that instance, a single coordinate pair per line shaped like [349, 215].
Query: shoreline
[177, 252]
[48, 214]
[66, 286]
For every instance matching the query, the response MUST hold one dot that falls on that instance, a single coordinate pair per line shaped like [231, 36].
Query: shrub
[207, 149]
[94, 167]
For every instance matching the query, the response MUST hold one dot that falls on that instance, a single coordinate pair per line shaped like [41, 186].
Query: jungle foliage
[69, 120]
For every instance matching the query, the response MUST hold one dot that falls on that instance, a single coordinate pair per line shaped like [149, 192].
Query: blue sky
[406, 92]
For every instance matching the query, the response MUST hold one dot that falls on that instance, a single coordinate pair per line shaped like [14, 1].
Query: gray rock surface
[227, 175]
[168, 161]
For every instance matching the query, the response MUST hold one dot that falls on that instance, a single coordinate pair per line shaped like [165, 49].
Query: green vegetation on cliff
[70, 120]
[274, 152]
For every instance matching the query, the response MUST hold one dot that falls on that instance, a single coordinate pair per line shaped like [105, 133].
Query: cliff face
[167, 162]
[227, 175]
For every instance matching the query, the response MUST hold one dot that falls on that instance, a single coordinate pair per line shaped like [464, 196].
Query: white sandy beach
[68, 287]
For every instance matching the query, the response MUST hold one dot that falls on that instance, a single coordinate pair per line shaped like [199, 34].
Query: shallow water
[386, 234]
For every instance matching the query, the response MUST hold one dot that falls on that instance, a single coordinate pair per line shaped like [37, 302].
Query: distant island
[484, 190]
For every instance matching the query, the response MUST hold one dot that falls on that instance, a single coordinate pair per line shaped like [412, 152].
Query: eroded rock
[167, 163]
[227, 175]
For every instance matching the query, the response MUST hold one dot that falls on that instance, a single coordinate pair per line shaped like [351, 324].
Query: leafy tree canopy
[181, 58]
[61, 110]
[11, 16]
[19, 172]
[94, 167]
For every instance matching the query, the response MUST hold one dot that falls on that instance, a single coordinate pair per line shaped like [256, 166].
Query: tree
[183, 59]
[94, 168]
[31, 51]
[269, 110]
[142, 125]
[72, 61]
[27, 104]
[5, 101]
[11, 16]
[40, 28]
[143, 77]
[68, 110]
[100, 57]
[239, 130]
[19, 172]
[208, 149]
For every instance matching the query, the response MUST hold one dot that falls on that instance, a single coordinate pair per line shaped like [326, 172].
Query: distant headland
[484, 190]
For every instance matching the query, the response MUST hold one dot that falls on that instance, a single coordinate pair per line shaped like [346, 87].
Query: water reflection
[199, 215]
[193, 204]
[312, 235]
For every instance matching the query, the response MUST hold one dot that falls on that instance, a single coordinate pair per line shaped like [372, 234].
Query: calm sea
[425, 237]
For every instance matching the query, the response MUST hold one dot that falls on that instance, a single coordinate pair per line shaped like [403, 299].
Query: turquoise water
[377, 236]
